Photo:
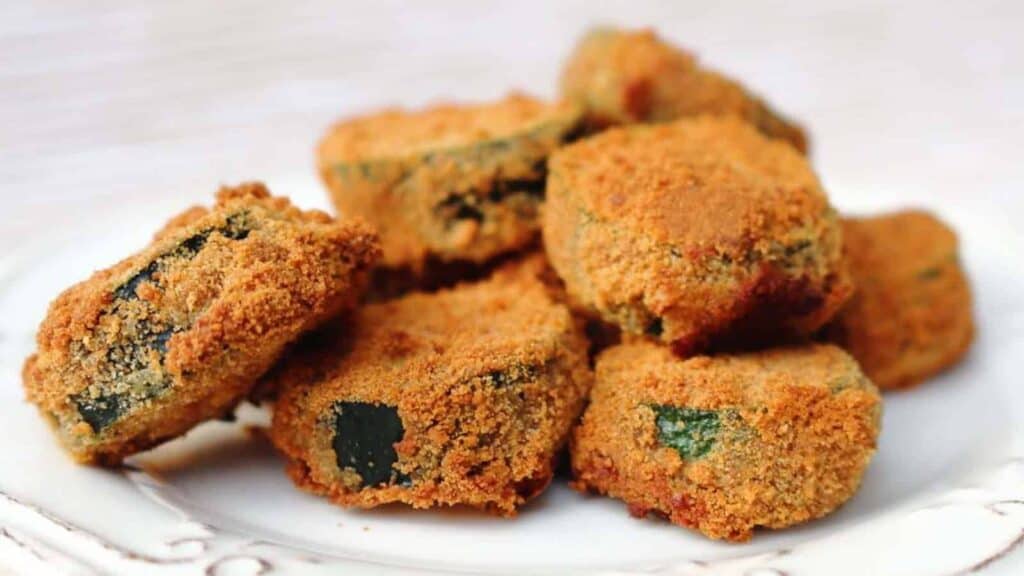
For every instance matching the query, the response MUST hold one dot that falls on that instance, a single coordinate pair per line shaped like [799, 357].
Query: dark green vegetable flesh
[159, 340]
[471, 205]
[103, 410]
[364, 441]
[129, 358]
[690, 431]
[532, 186]
[99, 412]
[797, 249]
[655, 328]
[456, 207]
[236, 228]
[515, 374]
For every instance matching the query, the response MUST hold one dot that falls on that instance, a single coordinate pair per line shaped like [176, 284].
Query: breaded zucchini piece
[695, 232]
[453, 182]
[177, 334]
[628, 76]
[910, 316]
[724, 444]
[462, 397]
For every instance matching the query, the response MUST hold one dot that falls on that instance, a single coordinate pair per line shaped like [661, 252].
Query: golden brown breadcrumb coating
[177, 334]
[600, 334]
[910, 316]
[724, 444]
[450, 182]
[694, 232]
[462, 397]
[627, 76]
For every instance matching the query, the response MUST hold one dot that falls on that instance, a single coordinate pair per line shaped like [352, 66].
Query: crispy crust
[600, 334]
[450, 182]
[226, 302]
[910, 317]
[434, 357]
[701, 228]
[628, 76]
[798, 428]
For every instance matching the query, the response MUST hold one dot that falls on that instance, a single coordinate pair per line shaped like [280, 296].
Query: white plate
[944, 495]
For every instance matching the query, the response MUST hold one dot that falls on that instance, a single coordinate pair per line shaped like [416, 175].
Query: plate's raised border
[990, 506]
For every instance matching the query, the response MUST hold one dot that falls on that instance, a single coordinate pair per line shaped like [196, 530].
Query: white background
[108, 103]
